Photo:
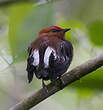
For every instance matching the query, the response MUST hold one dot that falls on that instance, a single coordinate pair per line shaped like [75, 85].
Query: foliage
[96, 32]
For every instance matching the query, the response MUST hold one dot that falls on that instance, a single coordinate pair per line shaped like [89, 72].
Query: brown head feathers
[53, 31]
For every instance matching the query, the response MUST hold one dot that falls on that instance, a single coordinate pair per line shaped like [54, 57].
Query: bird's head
[53, 31]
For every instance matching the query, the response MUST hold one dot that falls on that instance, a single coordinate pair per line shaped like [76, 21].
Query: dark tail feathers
[30, 69]
[42, 74]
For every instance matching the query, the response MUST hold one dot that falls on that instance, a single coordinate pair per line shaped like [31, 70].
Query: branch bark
[68, 78]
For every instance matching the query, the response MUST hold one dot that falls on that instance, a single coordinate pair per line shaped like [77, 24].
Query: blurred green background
[19, 24]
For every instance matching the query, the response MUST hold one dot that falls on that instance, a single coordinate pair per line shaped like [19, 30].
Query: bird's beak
[65, 30]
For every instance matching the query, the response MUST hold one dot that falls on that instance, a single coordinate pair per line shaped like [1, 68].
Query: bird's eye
[54, 30]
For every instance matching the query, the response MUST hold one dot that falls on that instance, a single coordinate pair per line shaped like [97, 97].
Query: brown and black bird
[49, 55]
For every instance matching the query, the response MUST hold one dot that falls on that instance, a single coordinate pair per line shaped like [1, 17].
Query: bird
[50, 55]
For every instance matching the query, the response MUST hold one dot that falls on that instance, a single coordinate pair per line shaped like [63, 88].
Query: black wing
[63, 60]
[30, 68]
[29, 50]
[68, 50]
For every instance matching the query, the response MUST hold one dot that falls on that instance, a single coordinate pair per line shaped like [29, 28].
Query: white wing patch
[47, 54]
[36, 57]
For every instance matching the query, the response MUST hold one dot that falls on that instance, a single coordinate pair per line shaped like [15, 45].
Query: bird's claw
[58, 82]
[44, 86]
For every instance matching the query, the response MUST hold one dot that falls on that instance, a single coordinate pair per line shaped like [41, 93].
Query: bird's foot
[44, 86]
[58, 82]
[61, 82]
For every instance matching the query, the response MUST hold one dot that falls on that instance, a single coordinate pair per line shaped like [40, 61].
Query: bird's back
[49, 58]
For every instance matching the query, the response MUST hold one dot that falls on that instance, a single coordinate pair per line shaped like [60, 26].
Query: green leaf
[91, 81]
[96, 33]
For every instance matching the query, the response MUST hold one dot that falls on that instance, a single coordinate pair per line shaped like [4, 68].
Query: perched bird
[50, 55]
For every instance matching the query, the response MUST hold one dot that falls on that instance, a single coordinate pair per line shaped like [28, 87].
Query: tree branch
[68, 78]
[10, 2]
